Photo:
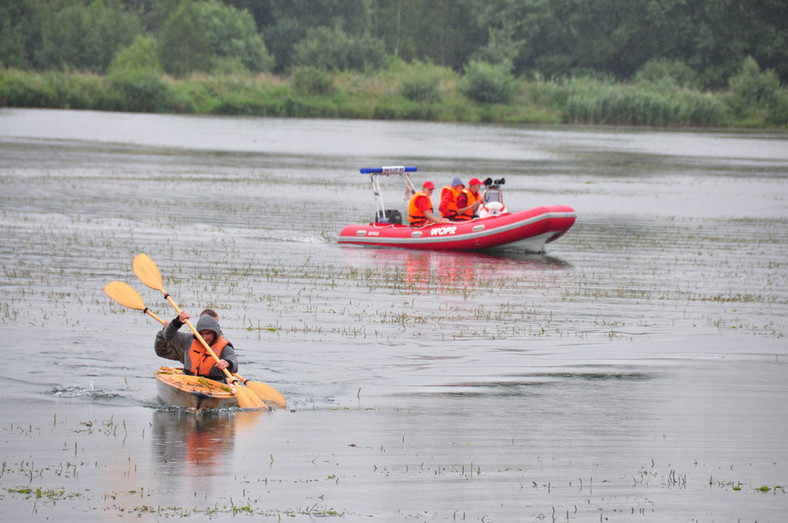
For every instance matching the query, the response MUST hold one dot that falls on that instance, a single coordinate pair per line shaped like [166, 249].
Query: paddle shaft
[148, 312]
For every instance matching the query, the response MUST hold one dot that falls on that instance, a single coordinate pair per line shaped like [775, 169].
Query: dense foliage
[619, 55]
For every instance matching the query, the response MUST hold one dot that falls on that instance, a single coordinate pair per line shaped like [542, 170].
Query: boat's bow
[193, 392]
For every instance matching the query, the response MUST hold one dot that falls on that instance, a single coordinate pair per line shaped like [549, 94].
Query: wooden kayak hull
[193, 392]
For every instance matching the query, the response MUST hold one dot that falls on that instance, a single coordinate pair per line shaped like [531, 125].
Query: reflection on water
[451, 272]
[537, 383]
[198, 444]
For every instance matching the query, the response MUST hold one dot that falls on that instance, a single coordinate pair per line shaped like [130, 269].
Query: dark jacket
[182, 341]
[165, 349]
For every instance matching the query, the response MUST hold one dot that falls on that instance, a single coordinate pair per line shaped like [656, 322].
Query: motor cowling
[392, 216]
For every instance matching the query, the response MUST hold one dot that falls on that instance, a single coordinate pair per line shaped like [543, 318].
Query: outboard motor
[392, 216]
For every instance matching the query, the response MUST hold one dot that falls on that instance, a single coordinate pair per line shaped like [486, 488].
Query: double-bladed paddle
[265, 392]
[124, 294]
[149, 274]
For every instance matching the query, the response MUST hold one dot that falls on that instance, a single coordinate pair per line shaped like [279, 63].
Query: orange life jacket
[198, 362]
[450, 209]
[416, 217]
[468, 213]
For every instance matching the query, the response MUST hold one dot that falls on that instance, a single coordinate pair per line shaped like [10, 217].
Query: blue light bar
[388, 170]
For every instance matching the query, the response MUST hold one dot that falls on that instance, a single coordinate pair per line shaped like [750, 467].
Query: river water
[636, 370]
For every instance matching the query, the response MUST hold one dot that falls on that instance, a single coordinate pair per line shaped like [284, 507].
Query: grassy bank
[391, 95]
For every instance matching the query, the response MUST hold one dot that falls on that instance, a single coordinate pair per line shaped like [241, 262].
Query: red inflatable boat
[524, 230]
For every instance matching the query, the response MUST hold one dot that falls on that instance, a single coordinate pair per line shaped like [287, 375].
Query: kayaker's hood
[207, 323]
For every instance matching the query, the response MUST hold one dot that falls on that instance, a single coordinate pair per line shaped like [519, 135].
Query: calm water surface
[635, 371]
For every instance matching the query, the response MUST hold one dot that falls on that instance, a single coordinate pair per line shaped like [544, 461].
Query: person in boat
[165, 349]
[420, 211]
[448, 206]
[468, 201]
[196, 360]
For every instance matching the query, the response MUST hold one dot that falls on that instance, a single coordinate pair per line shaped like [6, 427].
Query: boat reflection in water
[453, 270]
[197, 444]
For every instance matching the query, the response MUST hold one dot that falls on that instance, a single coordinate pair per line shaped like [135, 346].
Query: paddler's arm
[165, 349]
[228, 355]
[181, 340]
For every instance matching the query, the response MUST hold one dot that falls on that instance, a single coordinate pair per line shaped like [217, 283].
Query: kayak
[524, 230]
[193, 392]
[494, 227]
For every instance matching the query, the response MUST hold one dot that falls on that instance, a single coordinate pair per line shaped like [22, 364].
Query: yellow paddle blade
[124, 294]
[147, 272]
[248, 399]
[267, 393]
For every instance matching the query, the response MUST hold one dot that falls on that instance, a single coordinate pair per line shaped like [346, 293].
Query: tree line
[707, 39]
[639, 62]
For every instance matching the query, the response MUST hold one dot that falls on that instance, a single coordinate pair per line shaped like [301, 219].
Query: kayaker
[420, 207]
[196, 360]
[469, 200]
[448, 206]
[167, 350]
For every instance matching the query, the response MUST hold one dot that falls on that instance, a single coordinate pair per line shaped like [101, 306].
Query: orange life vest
[198, 362]
[450, 209]
[471, 198]
[417, 217]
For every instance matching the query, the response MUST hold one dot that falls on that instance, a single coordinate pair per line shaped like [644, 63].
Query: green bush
[384, 111]
[199, 36]
[324, 48]
[184, 45]
[140, 91]
[140, 55]
[421, 82]
[221, 66]
[85, 37]
[778, 116]
[135, 76]
[752, 90]
[487, 83]
[55, 89]
[23, 89]
[82, 91]
[421, 89]
[312, 81]
[232, 34]
[502, 48]
[366, 53]
[663, 71]
[331, 49]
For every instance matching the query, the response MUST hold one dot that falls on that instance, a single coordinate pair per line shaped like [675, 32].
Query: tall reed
[593, 102]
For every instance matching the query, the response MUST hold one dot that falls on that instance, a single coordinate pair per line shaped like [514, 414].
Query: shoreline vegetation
[639, 63]
[407, 92]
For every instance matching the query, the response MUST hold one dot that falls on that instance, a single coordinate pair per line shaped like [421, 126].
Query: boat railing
[383, 215]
